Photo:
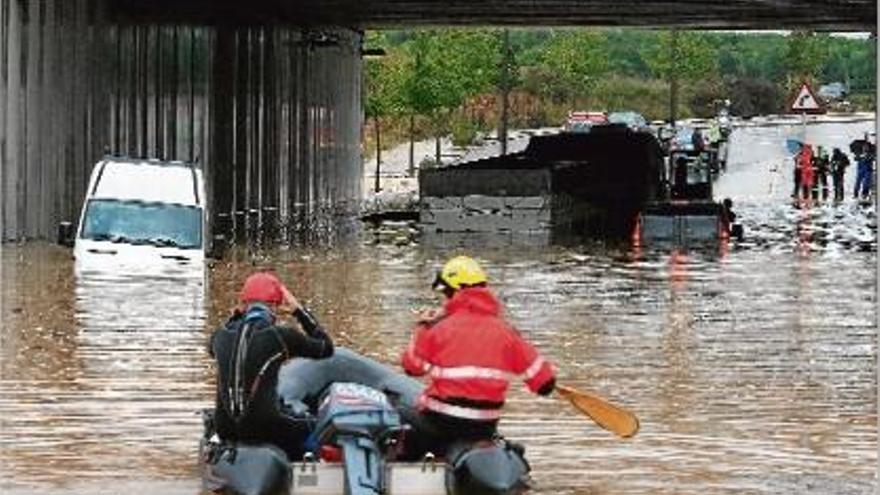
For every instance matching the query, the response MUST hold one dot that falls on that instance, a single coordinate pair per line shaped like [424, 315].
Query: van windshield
[136, 222]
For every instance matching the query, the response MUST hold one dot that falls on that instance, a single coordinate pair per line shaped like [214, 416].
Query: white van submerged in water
[142, 213]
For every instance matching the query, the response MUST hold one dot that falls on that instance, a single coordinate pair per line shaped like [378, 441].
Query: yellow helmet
[459, 272]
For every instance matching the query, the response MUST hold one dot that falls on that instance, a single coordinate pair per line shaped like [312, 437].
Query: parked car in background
[633, 120]
[833, 92]
[142, 213]
[684, 140]
[584, 121]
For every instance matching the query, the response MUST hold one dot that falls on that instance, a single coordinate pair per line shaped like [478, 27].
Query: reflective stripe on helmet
[471, 372]
[533, 369]
[459, 411]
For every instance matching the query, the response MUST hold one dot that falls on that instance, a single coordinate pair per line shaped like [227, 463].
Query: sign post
[805, 102]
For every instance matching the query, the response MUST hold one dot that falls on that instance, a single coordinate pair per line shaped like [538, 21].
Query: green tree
[572, 64]
[383, 81]
[506, 79]
[851, 61]
[445, 67]
[681, 56]
[805, 56]
[625, 54]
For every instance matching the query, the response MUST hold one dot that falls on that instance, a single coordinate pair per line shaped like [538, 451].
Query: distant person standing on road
[805, 163]
[714, 137]
[697, 141]
[839, 162]
[727, 214]
[820, 168]
[865, 164]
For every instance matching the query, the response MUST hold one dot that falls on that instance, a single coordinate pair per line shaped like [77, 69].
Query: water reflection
[122, 376]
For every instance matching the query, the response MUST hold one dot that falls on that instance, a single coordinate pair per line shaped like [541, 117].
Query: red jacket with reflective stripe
[472, 353]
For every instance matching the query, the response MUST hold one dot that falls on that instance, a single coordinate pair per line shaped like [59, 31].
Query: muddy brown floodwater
[750, 365]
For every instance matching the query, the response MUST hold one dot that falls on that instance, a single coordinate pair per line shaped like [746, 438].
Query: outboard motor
[359, 420]
[488, 467]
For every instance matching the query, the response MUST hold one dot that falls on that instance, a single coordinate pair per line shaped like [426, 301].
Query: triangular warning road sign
[805, 101]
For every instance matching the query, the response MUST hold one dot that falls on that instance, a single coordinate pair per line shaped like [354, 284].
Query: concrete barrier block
[482, 213]
[530, 202]
[445, 215]
[442, 203]
[523, 215]
[472, 221]
[524, 220]
[450, 220]
[482, 202]
[535, 238]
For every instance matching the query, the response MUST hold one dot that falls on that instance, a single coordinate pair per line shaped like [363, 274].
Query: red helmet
[262, 287]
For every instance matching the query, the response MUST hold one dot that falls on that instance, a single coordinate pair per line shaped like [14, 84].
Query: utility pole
[506, 84]
[673, 78]
[377, 187]
[412, 150]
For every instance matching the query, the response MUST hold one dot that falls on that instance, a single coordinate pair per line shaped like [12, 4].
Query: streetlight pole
[505, 87]
[673, 78]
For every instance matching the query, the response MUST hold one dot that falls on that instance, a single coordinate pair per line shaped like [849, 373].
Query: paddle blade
[613, 418]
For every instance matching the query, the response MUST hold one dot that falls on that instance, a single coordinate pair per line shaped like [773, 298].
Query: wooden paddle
[613, 418]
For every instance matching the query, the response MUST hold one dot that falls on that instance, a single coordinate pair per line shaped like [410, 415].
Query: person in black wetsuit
[249, 350]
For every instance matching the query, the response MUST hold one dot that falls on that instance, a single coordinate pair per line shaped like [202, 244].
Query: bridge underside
[837, 15]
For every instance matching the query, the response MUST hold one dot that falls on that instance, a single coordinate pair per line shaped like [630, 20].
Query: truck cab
[142, 213]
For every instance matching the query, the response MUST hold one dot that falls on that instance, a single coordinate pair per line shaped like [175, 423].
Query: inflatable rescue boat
[355, 412]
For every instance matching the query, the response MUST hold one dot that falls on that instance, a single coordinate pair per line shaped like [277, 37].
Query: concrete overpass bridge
[838, 15]
[266, 94]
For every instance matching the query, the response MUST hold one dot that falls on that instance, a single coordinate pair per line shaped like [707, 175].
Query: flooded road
[751, 366]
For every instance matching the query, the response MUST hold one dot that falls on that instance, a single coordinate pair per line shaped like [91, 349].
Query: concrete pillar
[15, 101]
[4, 76]
[221, 141]
[273, 117]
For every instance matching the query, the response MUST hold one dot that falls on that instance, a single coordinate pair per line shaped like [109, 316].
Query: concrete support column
[14, 116]
[222, 137]
[272, 114]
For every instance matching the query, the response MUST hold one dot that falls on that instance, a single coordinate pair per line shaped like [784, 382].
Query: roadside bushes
[648, 97]
[705, 96]
[464, 131]
[750, 97]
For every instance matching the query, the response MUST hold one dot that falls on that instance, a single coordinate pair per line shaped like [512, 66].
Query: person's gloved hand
[429, 315]
[289, 305]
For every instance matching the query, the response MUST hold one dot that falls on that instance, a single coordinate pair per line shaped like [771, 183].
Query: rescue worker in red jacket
[471, 354]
